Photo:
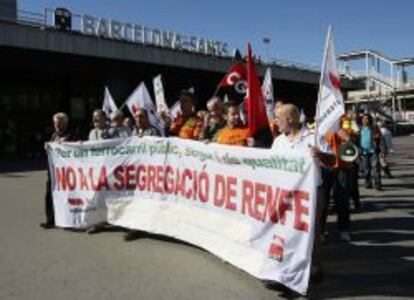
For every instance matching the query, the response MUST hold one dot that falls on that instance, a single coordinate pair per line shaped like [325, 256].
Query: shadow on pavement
[380, 260]
[22, 166]
[376, 266]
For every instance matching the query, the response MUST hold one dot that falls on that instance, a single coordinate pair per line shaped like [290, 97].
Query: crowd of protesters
[359, 148]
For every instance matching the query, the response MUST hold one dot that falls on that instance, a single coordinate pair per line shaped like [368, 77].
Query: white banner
[251, 207]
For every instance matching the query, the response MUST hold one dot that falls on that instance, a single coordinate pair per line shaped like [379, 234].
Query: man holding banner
[61, 134]
[295, 137]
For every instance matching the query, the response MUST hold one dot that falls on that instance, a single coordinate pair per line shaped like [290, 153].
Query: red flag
[256, 111]
[236, 74]
[234, 83]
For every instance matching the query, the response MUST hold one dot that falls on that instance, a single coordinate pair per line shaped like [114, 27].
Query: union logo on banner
[276, 248]
[76, 208]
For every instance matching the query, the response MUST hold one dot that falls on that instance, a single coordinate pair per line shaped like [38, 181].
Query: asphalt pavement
[57, 264]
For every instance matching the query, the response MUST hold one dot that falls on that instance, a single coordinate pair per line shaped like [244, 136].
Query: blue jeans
[371, 166]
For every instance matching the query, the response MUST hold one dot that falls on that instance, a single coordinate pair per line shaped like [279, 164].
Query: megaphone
[348, 152]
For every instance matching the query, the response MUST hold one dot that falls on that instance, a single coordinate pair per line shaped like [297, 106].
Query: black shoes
[46, 225]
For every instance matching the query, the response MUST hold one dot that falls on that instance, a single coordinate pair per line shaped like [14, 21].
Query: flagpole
[320, 83]
[125, 102]
[123, 105]
[217, 89]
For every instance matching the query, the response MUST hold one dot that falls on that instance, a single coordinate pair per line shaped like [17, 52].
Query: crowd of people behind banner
[223, 123]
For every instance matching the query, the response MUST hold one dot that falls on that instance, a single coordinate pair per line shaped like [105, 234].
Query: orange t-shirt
[186, 128]
[233, 136]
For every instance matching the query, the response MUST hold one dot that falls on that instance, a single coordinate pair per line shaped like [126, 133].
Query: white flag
[109, 106]
[159, 95]
[175, 109]
[267, 90]
[330, 105]
[140, 98]
[302, 117]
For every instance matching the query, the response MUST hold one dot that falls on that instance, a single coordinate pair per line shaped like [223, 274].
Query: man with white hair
[142, 125]
[61, 134]
[101, 130]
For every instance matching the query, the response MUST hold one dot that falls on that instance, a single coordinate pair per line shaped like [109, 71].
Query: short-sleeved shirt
[302, 142]
[97, 134]
[120, 132]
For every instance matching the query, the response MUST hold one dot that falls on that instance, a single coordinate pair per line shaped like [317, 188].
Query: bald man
[293, 136]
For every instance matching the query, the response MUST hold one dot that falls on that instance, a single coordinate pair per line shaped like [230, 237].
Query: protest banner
[251, 207]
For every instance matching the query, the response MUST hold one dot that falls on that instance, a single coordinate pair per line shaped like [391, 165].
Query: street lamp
[266, 42]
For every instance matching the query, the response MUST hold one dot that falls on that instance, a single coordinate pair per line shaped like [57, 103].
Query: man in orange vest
[338, 177]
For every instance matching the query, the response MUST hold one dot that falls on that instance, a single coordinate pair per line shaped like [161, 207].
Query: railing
[295, 65]
[31, 18]
[378, 77]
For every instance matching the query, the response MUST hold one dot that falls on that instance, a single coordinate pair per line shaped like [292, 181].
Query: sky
[297, 28]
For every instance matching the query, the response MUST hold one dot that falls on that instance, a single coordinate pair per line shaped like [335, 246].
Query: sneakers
[344, 236]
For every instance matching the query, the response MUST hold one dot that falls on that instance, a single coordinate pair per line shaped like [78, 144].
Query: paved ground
[57, 264]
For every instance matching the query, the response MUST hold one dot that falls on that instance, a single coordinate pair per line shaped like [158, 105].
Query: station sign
[143, 35]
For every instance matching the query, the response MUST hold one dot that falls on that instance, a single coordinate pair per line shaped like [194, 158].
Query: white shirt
[97, 134]
[121, 132]
[302, 142]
